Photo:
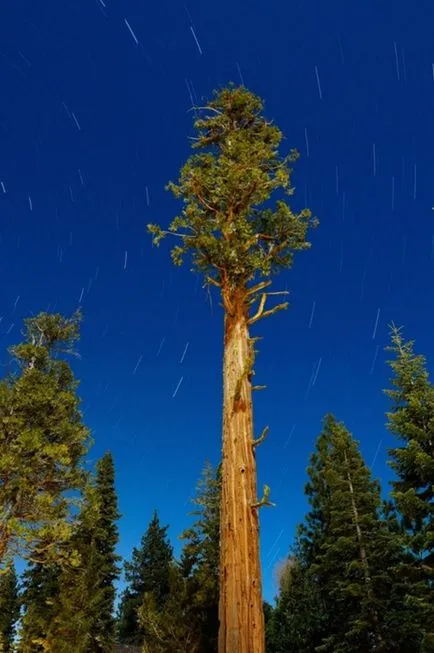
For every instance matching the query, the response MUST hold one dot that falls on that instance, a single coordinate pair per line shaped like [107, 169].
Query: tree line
[359, 576]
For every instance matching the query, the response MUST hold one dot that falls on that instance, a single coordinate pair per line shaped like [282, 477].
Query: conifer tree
[9, 608]
[42, 440]
[148, 573]
[40, 604]
[200, 558]
[238, 240]
[411, 420]
[348, 577]
[299, 621]
[174, 627]
[84, 621]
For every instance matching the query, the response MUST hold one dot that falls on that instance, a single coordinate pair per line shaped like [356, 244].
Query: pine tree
[350, 560]
[200, 559]
[411, 420]
[299, 621]
[174, 627]
[42, 441]
[40, 604]
[85, 622]
[9, 608]
[105, 539]
[238, 240]
[148, 572]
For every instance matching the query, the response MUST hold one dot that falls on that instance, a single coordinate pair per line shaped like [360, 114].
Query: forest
[359, 574]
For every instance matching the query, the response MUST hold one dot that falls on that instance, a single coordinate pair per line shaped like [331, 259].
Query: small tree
[238, 243]
[200, 558]
[9, 608]
[42, 440]
[148, 572]
[173, 627]
[40, 606]
[84, 622]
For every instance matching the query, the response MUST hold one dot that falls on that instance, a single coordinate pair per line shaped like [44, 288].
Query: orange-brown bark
[240, 610]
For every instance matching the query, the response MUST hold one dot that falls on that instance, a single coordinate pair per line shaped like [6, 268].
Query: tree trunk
[4, 543]
[240, 610]
[377, 638]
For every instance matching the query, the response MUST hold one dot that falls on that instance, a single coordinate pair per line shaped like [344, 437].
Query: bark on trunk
[362, 549]
[4, 542]
[377, 638]
[240, 609]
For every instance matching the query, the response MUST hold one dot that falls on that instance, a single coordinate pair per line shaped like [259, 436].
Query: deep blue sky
[92, 126]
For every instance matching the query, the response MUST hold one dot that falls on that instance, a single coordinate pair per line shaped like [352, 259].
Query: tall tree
[9, 608]
[411, 420]
[148, 572]
[238, 242]
[84, 621]
[200, 558]
[42, 440]
[352, 560]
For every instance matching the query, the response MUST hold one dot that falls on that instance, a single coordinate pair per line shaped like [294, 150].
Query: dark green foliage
[42, 441]
[105, 540]
[200, 558]
[299, 621]
[148, 572]
[343, 591]
[232, 238]
[39, 600]
[174, 627]
[84, 621]
[411, 420]
[9, 608]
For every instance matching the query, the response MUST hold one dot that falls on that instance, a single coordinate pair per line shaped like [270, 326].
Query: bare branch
[260, 310]
[276, 309]
[259, 387]
[261, 438]
[260, 313]
[260, 286]
[206, 109]
[212, 281]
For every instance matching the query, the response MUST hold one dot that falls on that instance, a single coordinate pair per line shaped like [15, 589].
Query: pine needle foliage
[42, 441]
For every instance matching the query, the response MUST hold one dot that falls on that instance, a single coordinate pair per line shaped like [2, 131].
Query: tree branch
[260, 310]
[260, 286]
[265, 501]
[262, 437]
[260, 313]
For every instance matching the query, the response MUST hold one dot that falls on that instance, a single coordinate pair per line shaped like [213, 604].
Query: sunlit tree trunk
[240, 610]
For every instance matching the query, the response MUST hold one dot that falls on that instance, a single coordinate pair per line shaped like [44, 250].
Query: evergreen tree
[85, 622]
[200, 558]
[238, 239]
[298, 623]
[42, 440]
[106, 537]
[40, 602]
[346, 594]
[174, 627]
[148, 572]
[9, 608]
[411, 420]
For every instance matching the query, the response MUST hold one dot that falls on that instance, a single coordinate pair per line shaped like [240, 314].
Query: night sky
[95, 115]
